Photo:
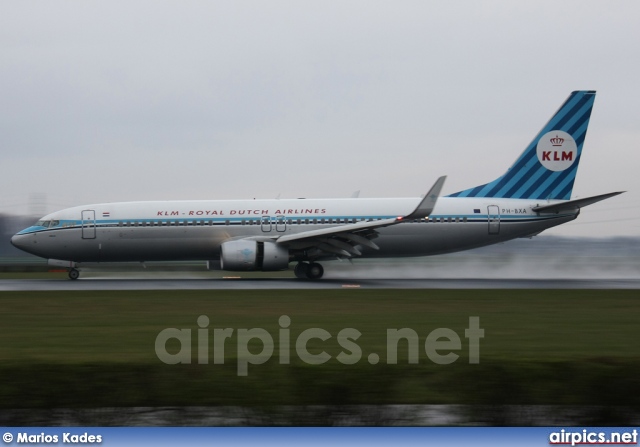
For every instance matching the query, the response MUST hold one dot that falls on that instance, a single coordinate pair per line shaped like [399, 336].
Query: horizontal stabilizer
[573, 205]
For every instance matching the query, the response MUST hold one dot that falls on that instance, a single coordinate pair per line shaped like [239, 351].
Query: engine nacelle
[243, 255]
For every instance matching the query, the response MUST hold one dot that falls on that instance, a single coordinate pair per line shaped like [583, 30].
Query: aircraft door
[281, 223]
[493, 215]
[265, 224]
[88, 224]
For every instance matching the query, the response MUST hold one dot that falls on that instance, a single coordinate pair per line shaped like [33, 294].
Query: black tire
[315, 271]
[300, 270]
[74, 274]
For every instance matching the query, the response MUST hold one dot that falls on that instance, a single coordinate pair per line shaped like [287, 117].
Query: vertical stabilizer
[547, 167]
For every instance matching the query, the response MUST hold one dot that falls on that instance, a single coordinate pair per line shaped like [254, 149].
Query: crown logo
[557, 141]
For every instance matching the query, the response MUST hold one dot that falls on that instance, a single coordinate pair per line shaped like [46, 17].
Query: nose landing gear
[312, 270]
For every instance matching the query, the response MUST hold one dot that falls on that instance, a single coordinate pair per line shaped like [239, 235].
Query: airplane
[534, 194]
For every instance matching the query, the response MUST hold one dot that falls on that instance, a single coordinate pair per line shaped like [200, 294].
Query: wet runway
[294, 284]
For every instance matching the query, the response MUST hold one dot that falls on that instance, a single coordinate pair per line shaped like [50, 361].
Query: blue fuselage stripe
[125, 223]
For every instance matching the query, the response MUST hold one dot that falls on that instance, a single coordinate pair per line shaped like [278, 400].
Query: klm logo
[557, 150]
[557, 156]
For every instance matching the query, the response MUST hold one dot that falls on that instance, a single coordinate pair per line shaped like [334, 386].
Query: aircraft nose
[27, 243]
[15, 241]
[18, 241]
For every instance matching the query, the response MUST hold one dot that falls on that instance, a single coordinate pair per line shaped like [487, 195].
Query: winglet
[429, 202]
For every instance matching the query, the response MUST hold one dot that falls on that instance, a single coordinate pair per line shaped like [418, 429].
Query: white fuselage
[195, 230]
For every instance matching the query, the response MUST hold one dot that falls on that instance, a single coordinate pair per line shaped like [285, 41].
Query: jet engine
[247, 255]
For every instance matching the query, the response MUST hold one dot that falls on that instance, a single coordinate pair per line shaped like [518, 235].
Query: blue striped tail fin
[547, 167]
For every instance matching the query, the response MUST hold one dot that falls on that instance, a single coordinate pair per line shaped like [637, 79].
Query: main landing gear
[311, 270]
[74, 274]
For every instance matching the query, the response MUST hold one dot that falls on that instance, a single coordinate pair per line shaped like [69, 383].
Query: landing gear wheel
[315, 271]
[74, 274]
[300, 270]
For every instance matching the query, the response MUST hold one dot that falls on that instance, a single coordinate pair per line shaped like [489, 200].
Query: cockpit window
[47, 223]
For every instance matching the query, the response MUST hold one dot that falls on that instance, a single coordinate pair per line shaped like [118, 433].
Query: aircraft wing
[344, 239]
[573, 205]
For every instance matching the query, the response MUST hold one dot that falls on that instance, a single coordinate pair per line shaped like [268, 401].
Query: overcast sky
[108, 101]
